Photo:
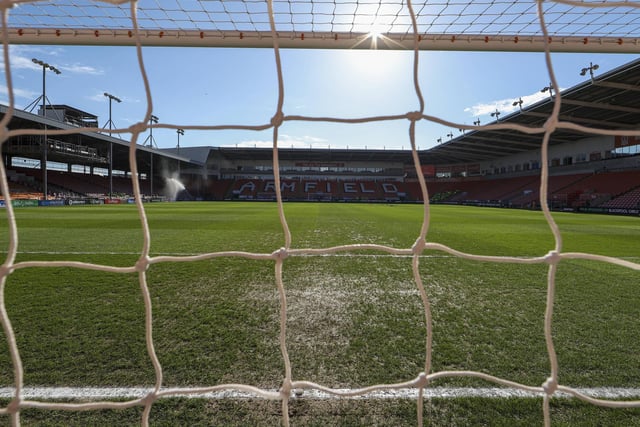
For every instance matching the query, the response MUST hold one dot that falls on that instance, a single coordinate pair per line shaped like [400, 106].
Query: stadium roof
[99, 141]
[315, 155]
[608, 101]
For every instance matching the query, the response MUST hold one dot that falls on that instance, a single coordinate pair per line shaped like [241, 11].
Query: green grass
[352, 320]
[438, 412]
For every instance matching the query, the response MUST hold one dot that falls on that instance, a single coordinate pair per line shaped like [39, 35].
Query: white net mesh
[613, 23]
[477, 25]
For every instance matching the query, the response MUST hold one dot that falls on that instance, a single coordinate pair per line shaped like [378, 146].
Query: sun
[375, 33]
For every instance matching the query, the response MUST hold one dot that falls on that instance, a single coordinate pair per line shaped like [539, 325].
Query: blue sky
[217, 86]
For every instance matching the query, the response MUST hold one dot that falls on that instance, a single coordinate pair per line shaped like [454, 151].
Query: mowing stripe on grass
[95, 393]
[335, 255]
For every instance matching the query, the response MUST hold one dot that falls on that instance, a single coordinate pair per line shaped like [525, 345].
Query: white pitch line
[327, 255]
[97, 393]
[184, 254]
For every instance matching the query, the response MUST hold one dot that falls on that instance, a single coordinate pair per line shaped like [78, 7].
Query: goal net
[542, 26]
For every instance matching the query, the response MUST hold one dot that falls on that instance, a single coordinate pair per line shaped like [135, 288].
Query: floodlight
[518, 103]
[549, 89]
[591, 68]
[115, 98]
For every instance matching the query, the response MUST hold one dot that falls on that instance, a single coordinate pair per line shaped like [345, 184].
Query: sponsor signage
[313, 187]
[24, 203]
[625, 141]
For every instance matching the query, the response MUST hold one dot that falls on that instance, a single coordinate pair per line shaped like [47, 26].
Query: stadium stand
[603, 188]
[629, 200]
[587, 173]
[506, 191]
[556, 194]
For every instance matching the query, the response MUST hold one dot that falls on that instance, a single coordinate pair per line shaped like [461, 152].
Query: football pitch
[354, 317]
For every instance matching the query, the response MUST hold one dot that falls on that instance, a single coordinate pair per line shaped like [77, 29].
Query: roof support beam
[454, 148]
[621, 86]
[598, 123]
[536, 141]
[601, 106]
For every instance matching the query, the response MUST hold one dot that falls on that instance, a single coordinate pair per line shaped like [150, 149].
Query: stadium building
[481, 166]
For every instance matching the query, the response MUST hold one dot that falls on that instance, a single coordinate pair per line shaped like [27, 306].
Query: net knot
[551, 124]
[138, 128]
[277, 120]
[423, 380]
[5, 270]
[142, 264]
[418, 246]
[414, 116]
[285, 390]
[14, 406]
[150, 398]
[281, 254]
[553, 257]
[550, 386]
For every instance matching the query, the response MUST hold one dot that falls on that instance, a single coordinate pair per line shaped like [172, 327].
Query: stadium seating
[556, 191]
[606, 189]
[65, 184]
[629, 200]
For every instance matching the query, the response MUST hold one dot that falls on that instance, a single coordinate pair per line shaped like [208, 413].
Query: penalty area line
[96, 393]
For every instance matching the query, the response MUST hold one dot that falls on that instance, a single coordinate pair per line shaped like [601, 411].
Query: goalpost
[542, 26]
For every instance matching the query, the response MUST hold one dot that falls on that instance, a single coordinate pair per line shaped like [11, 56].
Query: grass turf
[353, 320]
